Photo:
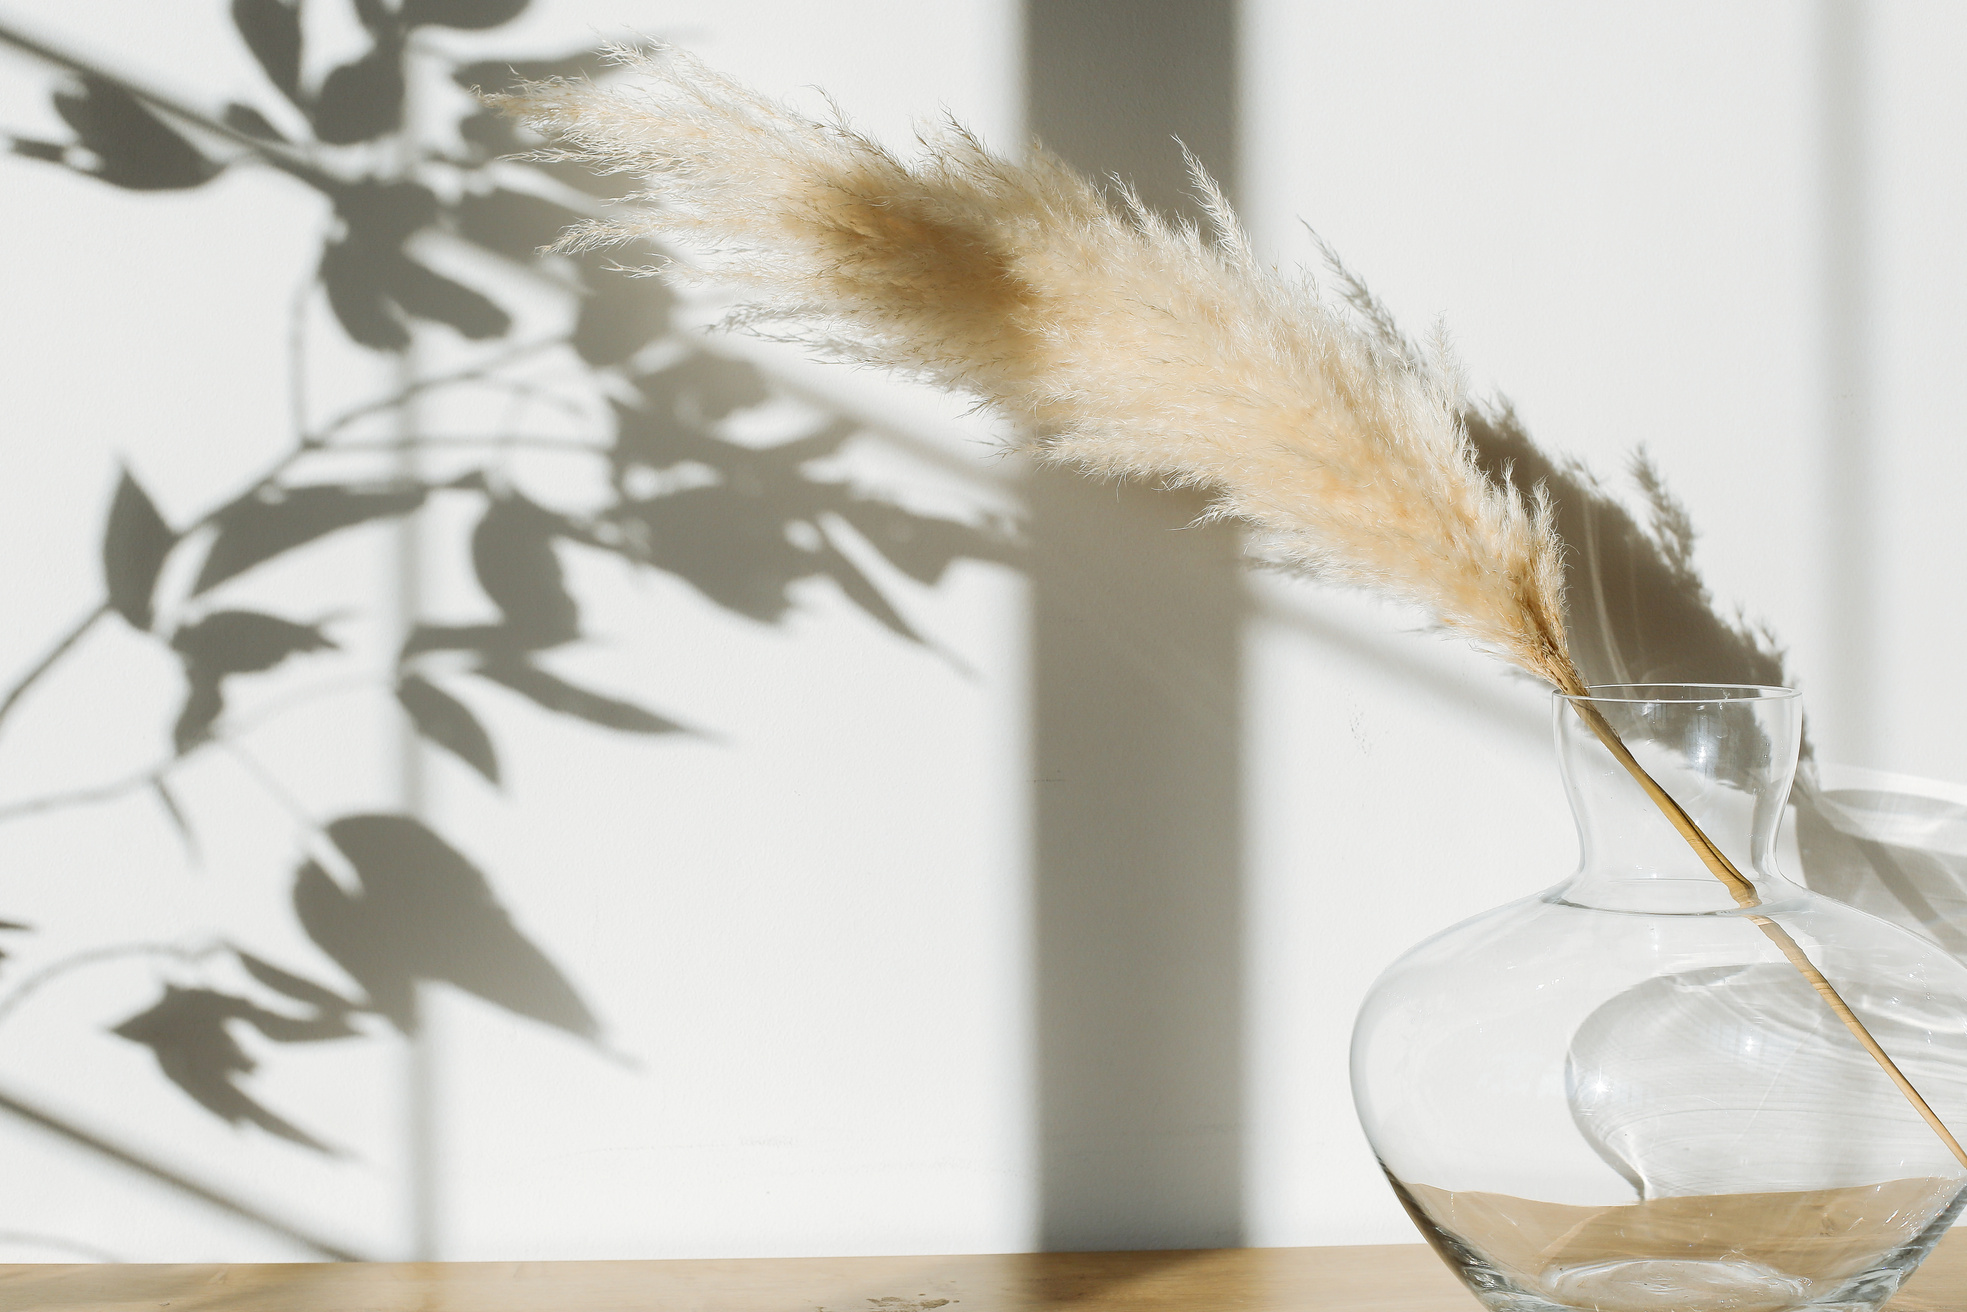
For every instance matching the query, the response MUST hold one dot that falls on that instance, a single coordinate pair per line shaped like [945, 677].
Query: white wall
[806, 934]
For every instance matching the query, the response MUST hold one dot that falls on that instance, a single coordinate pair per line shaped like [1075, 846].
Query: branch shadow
[385, 896]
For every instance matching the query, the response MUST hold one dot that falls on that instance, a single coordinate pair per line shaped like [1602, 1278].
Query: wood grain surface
[1384, 1278]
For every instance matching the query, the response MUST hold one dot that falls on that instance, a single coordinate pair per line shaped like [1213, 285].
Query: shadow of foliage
[186, 1030]
[6, 925]
[391, 902]
[423, 911]
[1638, 612]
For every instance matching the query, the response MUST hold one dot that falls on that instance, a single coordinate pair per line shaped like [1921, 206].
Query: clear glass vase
[1619, 1095]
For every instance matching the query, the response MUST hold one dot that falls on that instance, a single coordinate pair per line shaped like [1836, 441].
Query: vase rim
[1717, 693]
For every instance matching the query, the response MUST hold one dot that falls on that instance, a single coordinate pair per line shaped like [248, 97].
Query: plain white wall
[807, 939]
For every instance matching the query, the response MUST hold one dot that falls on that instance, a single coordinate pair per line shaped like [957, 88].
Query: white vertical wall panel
[1918, 144]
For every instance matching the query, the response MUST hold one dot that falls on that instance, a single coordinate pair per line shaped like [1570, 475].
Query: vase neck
[1726, 754]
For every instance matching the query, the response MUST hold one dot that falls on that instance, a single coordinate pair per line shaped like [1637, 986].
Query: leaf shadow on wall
[393, 903]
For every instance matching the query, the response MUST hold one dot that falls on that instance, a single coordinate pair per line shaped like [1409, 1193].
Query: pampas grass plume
[1126, 345]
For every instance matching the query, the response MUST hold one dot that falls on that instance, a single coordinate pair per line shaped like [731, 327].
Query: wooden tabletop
[1384, 1278]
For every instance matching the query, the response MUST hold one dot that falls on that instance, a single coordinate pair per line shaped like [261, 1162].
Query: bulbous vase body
[1621, 1095]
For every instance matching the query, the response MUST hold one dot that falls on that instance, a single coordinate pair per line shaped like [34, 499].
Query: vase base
[1817, 1251]
[1658, 1290]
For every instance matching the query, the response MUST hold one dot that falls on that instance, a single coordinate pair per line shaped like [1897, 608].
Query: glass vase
[1619, 1095]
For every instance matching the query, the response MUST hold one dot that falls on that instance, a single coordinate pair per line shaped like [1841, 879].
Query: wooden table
[1385, 1278]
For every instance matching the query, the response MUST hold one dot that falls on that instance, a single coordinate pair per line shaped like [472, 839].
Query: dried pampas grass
[1126, 345]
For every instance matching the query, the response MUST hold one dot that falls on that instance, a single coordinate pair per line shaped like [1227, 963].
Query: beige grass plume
[1131, 346]
[1128, 345]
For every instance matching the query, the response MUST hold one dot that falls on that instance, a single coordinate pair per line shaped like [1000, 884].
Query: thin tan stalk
[1711, 855]
[1743, 891]
[1790, 949]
